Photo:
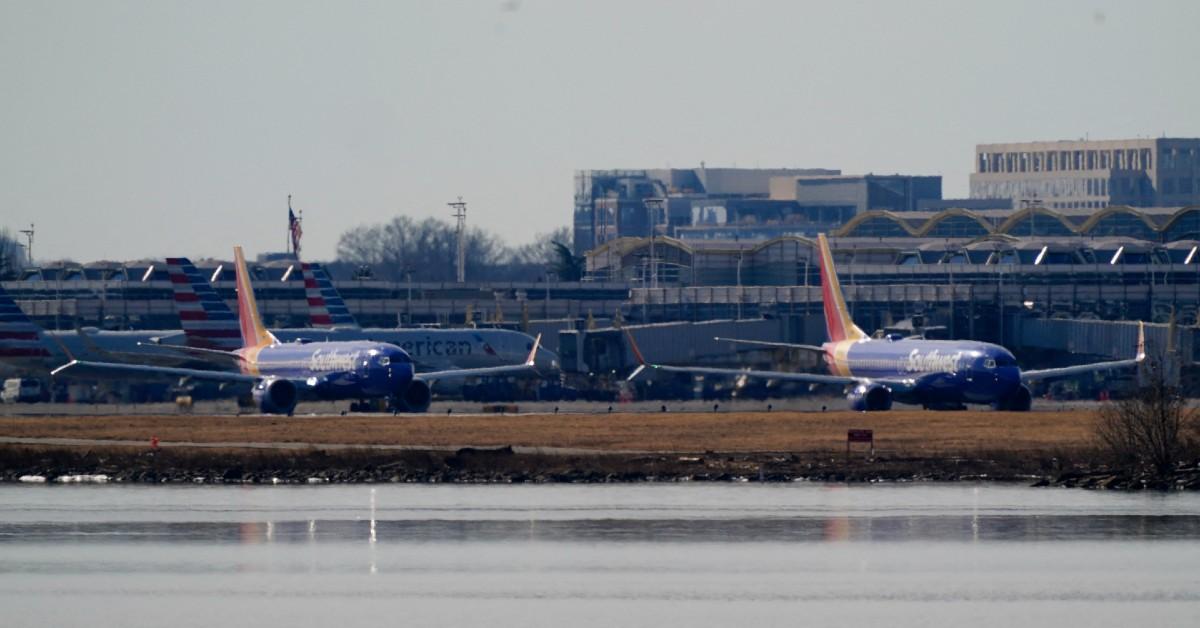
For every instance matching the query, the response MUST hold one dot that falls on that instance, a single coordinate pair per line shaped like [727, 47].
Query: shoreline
[1037, 448]
[57, 464]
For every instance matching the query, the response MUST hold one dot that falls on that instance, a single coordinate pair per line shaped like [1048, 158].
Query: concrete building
[1162, 172]
[611, 203]
[846, 196]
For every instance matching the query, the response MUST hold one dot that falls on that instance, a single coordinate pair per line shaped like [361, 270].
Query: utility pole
[29, 247]
[460, 214]
[653, 205]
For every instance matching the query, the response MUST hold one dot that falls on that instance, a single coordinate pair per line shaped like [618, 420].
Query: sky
[146, 129]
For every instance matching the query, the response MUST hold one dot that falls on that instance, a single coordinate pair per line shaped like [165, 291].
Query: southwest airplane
[209, 323]
[938, 374]
[281, 374]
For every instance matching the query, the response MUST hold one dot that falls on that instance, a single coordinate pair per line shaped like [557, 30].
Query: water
[641, 555]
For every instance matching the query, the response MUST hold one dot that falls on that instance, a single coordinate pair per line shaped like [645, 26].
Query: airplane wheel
[1021, 400]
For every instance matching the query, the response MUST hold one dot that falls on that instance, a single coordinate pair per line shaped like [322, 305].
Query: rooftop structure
[1087, 174]
[612, 203]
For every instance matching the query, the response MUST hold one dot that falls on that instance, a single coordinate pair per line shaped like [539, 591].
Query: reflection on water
[734, 530]
[596, 555]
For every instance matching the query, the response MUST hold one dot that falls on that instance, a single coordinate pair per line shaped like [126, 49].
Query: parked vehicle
[22, 390]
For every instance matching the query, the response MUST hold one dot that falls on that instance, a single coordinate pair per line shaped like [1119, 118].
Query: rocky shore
[503, 465]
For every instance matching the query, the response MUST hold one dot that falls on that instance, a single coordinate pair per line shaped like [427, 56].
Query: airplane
[209, 323]
[936, 374]
[27, 349]
[280, 374]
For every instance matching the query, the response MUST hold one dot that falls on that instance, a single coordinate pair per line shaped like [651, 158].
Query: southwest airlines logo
[932, 362]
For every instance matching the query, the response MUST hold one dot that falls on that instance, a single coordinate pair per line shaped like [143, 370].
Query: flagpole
[288, 246]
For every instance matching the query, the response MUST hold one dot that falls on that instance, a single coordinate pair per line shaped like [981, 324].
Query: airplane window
[989, 363]
[384, 361]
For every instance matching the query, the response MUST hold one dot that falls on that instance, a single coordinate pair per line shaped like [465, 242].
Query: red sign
[860, 436]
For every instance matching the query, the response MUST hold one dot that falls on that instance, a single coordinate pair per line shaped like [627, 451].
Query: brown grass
[905, 432]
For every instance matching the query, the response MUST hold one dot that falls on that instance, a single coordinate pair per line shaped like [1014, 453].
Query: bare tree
[426, 249]
[1149, 431]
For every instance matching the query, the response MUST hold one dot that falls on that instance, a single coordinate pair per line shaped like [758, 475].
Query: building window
[1168, 186]
[1185, 186]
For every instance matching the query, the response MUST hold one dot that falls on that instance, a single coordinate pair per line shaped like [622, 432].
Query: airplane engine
[870, 398]
[415, 398]
[275, 396]
[1021, 400]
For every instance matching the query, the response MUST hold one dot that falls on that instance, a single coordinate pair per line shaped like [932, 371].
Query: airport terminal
[1061, 247]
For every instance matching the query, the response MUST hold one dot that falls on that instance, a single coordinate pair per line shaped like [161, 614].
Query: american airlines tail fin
[20, 337]
[207, 321]
[254, 333]
[838, 323]
[326, 308]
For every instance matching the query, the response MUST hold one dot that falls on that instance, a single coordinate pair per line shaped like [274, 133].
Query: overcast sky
[147, 129]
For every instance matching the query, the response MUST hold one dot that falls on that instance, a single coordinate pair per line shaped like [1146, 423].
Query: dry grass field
[907, 432]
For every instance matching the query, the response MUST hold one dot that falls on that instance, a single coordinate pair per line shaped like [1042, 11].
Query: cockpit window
[384, 360]
[989, 363]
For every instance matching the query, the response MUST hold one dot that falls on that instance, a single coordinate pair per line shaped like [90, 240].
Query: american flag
[294, 229]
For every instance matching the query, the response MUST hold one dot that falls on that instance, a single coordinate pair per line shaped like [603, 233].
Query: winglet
[1141, 342]
[637, 354]
[533, 352]
[64, 367]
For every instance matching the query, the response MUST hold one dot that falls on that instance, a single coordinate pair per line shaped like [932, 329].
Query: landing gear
[1020, 400]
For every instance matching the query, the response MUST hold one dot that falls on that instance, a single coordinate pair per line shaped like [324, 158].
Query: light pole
[653, 205]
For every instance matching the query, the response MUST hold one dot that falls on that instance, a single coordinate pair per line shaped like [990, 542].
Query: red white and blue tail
[20, 337]
[838, 323]
[207, 321]
[325, 306]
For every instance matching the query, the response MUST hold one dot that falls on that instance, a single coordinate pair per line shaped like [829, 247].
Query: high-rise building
[1162, 172]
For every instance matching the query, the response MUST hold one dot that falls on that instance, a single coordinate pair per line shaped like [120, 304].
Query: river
[596, 555]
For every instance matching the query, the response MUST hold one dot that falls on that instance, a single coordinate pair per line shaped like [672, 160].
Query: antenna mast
[460, 214]
[29, 247]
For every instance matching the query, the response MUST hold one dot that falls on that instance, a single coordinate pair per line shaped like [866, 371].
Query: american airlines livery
[27, 349]
[209, 323]
[938, 374]
[281, 374]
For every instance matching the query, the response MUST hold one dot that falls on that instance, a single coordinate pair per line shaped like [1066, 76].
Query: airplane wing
[812, 378]
[80, 369]
[526, 367]
[228, 359]
[1079, 369]
[778, 345]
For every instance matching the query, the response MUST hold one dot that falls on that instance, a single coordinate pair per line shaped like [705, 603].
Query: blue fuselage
[336, 370]
[939, 371]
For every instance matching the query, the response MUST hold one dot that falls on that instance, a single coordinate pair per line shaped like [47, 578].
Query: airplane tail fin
[254, 333]
[838, 323]
[326, 308]
[20, 337]
[206, 320]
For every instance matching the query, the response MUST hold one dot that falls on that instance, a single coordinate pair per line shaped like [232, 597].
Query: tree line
[426, 250]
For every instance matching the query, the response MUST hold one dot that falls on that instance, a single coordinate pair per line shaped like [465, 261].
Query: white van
[20, 390]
